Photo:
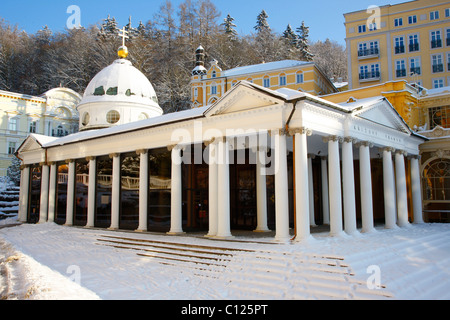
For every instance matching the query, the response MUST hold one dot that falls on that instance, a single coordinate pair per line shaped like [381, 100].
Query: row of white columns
[395, 193]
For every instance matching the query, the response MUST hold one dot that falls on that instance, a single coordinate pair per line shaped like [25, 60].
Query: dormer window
[100, 91]
[112, 91]
[214, 74]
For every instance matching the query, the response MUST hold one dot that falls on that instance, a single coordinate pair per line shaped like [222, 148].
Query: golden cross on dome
[123, 50]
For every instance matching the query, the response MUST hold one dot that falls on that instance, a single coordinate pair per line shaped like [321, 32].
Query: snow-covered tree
[331, 58]
[303, 42]
[261, 22]
[13, 171]
[229, 28]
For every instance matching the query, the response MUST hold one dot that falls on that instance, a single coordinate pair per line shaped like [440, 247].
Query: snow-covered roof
[264, 67]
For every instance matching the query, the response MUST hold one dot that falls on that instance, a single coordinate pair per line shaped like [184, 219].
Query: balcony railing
[436, 43]
[401, 73]
[400, 49]
[362, 53]
[413, 47]
[415, 70]
[438, 67]
[373, 75]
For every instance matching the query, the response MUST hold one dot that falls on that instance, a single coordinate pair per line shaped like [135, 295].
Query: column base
[223, 237]
[262, 230]
[140, 230]
[175, 233]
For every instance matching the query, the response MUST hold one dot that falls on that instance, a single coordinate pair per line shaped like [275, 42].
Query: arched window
[266, 82]
[282, 81]
[436, 180]
[86, 119]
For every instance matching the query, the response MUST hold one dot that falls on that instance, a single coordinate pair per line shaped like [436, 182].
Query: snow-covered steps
[204, 260]
[275, 275]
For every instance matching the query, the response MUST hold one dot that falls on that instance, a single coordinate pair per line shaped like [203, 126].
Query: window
[439, 116]
[195, 92]
[414, 64]
[13, 124]
[266, 82]
[436, 41]
[436, 180]
[368, 49]
[438, 83]
[434, 15]
[214, 74]
[282, 80]
[32, 127]
[412, 19]
[86, 119]
[143, 116]
[447, 13]
[11, 147]
[113, 116]
[400, 68]
[448, 61]
[362, 28]
[372, 26]
[371, 72]
[214, 89]
[413, 43]
[399, 45]
[398, 22]
[447, 32]
[436, 61]
[299, 77]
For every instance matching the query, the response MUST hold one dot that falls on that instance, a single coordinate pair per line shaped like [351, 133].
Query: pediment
[383, 113]
[242, 97]
[34, 142]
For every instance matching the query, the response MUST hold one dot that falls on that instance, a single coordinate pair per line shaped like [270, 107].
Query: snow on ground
[48, 261]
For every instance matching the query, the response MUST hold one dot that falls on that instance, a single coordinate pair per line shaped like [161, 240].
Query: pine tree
[261, 22]
[303, 42]
[229, 26]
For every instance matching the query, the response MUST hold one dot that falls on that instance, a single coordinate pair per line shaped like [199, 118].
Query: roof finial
[123, 50]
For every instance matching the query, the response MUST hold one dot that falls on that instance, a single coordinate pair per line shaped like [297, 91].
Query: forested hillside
[162, 48]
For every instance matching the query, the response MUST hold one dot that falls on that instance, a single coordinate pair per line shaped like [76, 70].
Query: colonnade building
[256, 159]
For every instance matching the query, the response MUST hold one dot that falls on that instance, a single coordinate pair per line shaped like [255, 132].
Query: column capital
[365, 144]
[301, 130]
[141, 151]
[69, 161]
[401, 152]
[89, 158]
[332, 138]
[24, 166]
[415, 156]
[43, 163]
[114, 155]
[311, 156]
[281, 132]
[387, 149]
[210, 141]
[350, 140]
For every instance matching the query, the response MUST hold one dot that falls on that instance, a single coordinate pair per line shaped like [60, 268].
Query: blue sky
[324, 17]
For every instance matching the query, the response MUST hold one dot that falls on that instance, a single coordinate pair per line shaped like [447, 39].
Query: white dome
[119, 88]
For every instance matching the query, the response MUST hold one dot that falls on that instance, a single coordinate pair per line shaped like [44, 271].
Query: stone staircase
[249, 273]
[9, 202]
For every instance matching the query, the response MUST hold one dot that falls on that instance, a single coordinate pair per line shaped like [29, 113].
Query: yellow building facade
[208, 85]
[408, 41]
[52, 114]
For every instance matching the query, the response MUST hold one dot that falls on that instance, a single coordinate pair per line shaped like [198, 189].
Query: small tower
[199, 69]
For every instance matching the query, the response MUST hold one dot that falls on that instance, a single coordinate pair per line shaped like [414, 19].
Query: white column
[176, 218]
[416, 190]
[223, 189]
[43, 205]
[70, 193]
[213, 187]
[334, 186]
[115, 192]
[281, 188]
[389, 189]
[261, 191]
[366, 187]
[302, 214]
[24, 192]
[143, 190]
[52, 192]
[348, 181]
[91, 192]
[400, 179]
[312, 220]
[325, 203]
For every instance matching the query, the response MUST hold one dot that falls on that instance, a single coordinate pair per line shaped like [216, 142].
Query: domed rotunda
[118, 94]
